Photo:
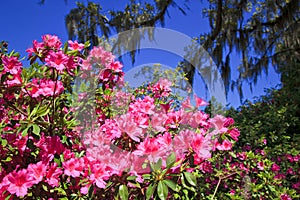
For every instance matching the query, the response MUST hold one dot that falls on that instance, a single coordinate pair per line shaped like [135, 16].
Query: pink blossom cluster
[150, 131]
[48, 155]
[12, 68]
[49, 52]
[246, 163]
[44, 87]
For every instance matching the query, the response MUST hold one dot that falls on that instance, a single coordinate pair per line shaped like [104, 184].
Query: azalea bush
[71, 130]
[151, 148]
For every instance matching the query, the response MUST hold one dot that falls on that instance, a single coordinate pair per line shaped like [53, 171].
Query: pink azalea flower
[228, 122]
[174, 118]
[52, 176]
[145, 105]
[149, 147]
[106, 75]
[71, 65]
[51, 41]
[201, 146]
[164, 84]
[14, 81]
[20, 142]
[234, 134]
[242, 156]
[162, 87]
[200, 102]
[36, 49]
[141, 119]
[157, 121]
[206, 167]
[18, 182]
[86, 65]
[85, 189]
[199, 118]
[127, 125]
[182, 142]
[226, 145]
[280, 176]
[165, 140]
[275, 168]
[73, 167]
[260, 165]
[100, 56]
[57, 60]
[285, 197]
[187, 103]
[115, 66]
[118, 162]
[50, 145]
[99, 174]
[75, 45]
[218, 123]
[37, 171]
[265, 141]
[11, 64]
[45, 87]
[111, 129]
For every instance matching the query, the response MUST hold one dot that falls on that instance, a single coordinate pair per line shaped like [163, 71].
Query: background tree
[255, 30]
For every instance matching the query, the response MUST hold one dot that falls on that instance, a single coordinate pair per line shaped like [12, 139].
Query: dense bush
[69, 130]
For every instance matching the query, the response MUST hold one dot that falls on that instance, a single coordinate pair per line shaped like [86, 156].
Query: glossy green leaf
[24, 132]
[36, 129]
[162, 190]
[190, 178]
[149, 191]
[123, 192]
[3, 142]
[171, 159]
[171, 184]
[157, 166]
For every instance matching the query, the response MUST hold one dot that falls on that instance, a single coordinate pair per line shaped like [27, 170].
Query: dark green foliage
[274, 116]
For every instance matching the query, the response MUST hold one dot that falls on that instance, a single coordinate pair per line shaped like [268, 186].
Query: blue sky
[23, 21]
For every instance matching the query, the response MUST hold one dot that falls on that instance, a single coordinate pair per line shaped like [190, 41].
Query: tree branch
[218, 26]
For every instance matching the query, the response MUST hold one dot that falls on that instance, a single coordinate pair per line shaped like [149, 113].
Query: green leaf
[190, 178]
[24, 132]
[131, 178]
[65, 48]
[36, 129]
[43, 111]
[87, 44]
[33, 112]
[8, 197]
[61, 191]
[157, 166]
[171, 185]
[123, 192]
[162, 190]
[45, 187]
[171, 160]
[107, 92]
[3, 142]
[149, 191]
[146, 176]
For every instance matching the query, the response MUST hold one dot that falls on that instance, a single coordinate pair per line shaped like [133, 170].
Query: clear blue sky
[25, 20]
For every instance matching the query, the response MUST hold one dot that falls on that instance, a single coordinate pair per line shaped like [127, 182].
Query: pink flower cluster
[49, 52]
[44, 153]
[12, 67]
[44, 87]
[18, 182]
[148, 132]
